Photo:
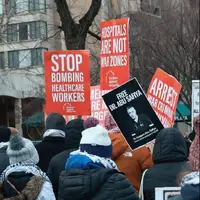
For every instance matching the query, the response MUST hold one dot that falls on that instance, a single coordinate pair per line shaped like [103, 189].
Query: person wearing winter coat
[53, 140]
[170, 158]
[131, 163]
[22, 179]
[72, 140]
[5, 133]
[91, 174]
[195, 146]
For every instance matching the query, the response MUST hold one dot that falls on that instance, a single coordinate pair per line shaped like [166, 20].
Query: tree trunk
[75, 42]
[75, 34]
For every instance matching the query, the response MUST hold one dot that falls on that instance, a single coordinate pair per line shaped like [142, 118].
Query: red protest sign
[67, 82]
[163, 94]
[98, 107]
[114, 53]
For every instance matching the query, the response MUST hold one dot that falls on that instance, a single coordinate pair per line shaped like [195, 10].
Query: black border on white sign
[133, 113]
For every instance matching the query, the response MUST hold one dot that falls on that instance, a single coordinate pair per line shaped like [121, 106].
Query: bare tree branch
[88, 18]
[65, 16]
[94, 35]
[75, 34]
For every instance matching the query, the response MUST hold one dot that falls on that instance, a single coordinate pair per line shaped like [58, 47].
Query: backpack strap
[141, 191]
[13, 187]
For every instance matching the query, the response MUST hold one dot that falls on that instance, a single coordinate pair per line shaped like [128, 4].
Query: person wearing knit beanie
[21, 150]
[95, 150]
[91, 174]
[96, 141]
[22, 179]
[195, 146]
[5, 133]
[90, 122]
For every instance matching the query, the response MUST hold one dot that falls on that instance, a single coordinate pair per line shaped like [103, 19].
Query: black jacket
[72, 140]
[4, 134]
[144, 123]
[95, 184]
[170, 158]
[54, 142]
[4, 161]
[49, 147]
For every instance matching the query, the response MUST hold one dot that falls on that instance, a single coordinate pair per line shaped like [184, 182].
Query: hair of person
[129, 107]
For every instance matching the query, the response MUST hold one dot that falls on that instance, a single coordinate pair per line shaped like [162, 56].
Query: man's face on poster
[132, 113]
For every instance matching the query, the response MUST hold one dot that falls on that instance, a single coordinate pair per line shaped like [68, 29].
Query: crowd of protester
[82, 160]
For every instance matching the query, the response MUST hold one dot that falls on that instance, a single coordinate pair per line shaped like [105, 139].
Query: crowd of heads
[88, 146]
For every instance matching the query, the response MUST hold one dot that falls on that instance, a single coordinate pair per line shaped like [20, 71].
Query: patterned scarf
[195, 146]
[104, 162]
[20, 167]
[191, 179]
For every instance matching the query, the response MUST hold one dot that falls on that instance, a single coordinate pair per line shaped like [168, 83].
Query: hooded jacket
[72, 140]
[170, 158]
[35, 189]
[53, 140]
[131, 163]
[95, 184]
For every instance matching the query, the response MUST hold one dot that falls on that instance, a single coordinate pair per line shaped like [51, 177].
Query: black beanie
[55, 121]
[4, 134]
[74, 129]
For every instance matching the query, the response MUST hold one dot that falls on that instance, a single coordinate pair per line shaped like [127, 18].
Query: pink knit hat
[195, 146]
[110, 124]
[90, 122]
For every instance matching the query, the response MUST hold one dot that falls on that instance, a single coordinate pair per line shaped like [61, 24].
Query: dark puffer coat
[170, 158]
[95, 184]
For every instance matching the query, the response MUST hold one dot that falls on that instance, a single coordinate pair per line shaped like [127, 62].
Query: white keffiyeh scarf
[106, 162]
[20, 167]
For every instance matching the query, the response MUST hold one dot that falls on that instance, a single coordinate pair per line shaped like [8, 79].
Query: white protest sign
[165, 193]
[195, 98]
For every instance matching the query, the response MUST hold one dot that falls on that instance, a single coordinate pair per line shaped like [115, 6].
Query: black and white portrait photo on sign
[133, 113]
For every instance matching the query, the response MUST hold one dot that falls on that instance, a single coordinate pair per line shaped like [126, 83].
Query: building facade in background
[30, 27]
[27, 29]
